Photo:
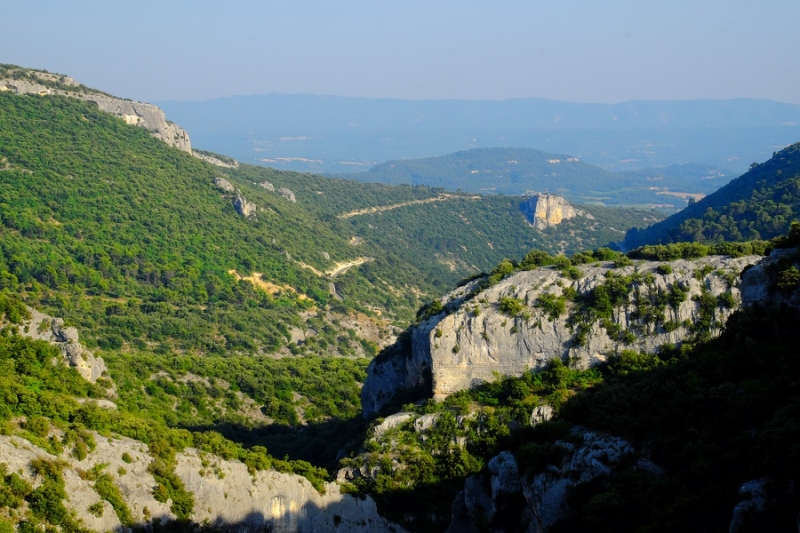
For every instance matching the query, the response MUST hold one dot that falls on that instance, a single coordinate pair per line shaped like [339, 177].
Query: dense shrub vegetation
[761, 204]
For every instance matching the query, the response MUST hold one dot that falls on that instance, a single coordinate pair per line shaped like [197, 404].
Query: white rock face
[759, 281]
[46, 328]
[541, 413]
[224, 185]
[135, 113]
[215, 161]
[243, 206]
[476, 341]
[225, 493]
[288, 194]
[391, 422]
[545, 210]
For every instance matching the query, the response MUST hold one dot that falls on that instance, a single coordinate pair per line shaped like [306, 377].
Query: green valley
[189, 343]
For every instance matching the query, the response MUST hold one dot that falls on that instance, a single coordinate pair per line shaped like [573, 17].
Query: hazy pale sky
[578, 50]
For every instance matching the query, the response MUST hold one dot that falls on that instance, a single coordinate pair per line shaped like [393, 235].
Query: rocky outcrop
[224, 185]
[46, 328]
[267, 185]
[288, 194]
[541, 413]
[473, 342]
[391, 422]
[400, 368]
[545, 210]
[536, 502]
[753, 504]
[243, 206]
[771, 280]
[208, 158]
[27, 81]
[225, 493]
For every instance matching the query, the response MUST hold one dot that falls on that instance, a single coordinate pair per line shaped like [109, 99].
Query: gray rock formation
[267, 185]
[545, 210]
[215, 160]
[136, 113]
[472, 341]
[760, 282]
[224, 185]
[243, 206]
[288, 194]
[541, 413]
[391, 422]
[46, 328]
[482, 497]
[225, 493]
[747, 511]
[534, 503]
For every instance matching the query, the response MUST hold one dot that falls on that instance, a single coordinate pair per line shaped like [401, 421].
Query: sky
[575, 50]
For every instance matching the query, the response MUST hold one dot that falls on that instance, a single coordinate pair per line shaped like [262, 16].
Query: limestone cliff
[476, 337]
[225, 493]
[545, 210]
[28, 81]
[46, 328]
[243, 206]
[502, 499]
[771, 281]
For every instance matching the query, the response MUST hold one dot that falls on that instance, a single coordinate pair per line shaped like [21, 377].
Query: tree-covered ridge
[132, 241]
[121, 234]
[516, 171]
[761, 204]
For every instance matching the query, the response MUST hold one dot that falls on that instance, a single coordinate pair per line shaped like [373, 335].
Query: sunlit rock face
[474, 340]
[545, 210]
[225, 493]
[148, 116]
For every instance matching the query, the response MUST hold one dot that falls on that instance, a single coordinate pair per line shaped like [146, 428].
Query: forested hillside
[133, 242]
[758, 205]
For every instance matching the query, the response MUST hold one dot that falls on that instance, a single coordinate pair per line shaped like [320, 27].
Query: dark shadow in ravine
[320, 443]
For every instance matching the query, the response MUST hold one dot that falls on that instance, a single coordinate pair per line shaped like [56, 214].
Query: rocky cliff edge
[19, 80]
[515, 325]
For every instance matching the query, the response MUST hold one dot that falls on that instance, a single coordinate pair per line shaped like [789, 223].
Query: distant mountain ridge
[488, 170]
[343, 134]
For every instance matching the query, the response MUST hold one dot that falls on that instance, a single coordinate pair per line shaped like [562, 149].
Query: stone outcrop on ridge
[473, 340]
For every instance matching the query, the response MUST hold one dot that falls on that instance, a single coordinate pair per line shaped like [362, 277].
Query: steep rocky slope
[18, 80]
[55, 470]
[225, 493]
[590, 478]
[532, 316]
